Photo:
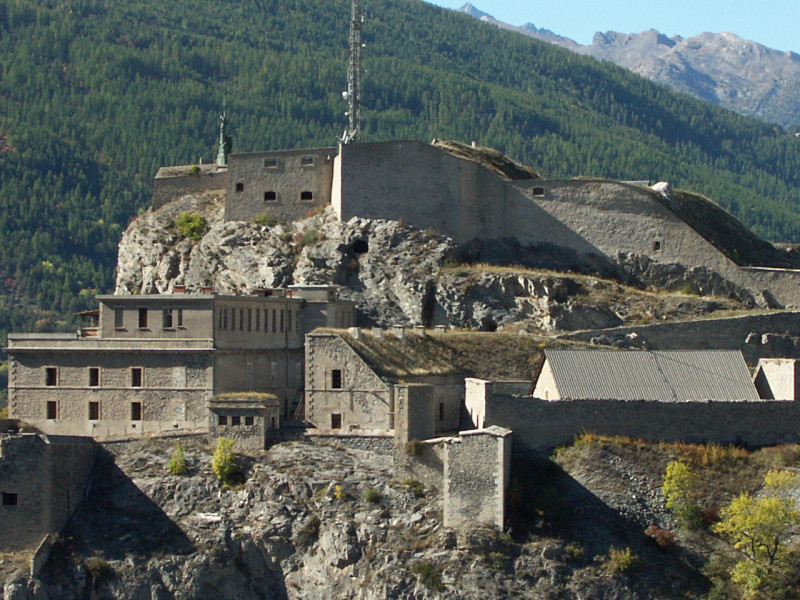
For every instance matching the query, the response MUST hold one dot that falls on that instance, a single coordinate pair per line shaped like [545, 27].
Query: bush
[4, 412]
[663, 539]
[574, 551]
[309, 237]
[309, 533]
[265, 220]
[496, 560]
[177, 462]
[429, 575]
[99, 568]
[679, 491]
[415, 487]
[191, 225]
[194, 170]
[372, 495]
[224, 462]
[623, 561]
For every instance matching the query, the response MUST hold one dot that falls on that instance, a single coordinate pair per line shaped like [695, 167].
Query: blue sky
[773, 23]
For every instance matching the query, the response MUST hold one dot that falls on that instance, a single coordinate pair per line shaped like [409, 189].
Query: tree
[224, 462]
[678, 490]
[191, 225]
[758, 527]
[177, 462]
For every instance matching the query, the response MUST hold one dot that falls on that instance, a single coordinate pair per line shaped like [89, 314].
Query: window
[136, 411]
[441, 411]
[272, 422]
[166, 318]
[224, 318]
[52, 409]
[51, 376]
[274, 317]
[289, 320]
[236, 420]
[281, 320]
[94, 376]
[219, 319]
[249, 421]
[336, 379]
[222, 420]
[336, 421]
[656, 245]
[119, 318]
[239, 187]
[270, 196]
[306, 196]
[538, 191]
[249, 319]
[180, 317]
[241, 319]
[142, 318]
[136, 376]
[258, 319]
[307, 161]
[94, 411]
[271, 162]
[10, 499]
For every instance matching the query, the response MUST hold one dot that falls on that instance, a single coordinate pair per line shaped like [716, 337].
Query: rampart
[173, 182]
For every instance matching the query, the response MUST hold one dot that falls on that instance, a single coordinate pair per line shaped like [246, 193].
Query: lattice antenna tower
[353, 93]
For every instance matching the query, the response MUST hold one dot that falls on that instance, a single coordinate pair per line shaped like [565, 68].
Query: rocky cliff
[400, 275]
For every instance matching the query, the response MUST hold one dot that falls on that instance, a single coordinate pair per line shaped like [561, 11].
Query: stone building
[778, 378]
[43, 479]
[249, 418]
[381, 382]
[152, 363]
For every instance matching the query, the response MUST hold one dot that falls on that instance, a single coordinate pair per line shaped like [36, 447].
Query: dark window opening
[136, 377]
[441, 411]
[222, 420]
[10, 499]
[119, 318]
[52, 409]
[180, 318]
[239, 187]
[281, 321]
[136, 411]
[289, 321]
[307, 161]
[249, 420]
[166, 318]
[272, 422]
[241, 319]
[360, 247]
[306, 195]
[249, 319]
[51, 376]
[94, 411]
[336, 421]
[142, 318]
[94, 376]
[336, 379]
[270, 162]
[538, 191]
[656, 245]
[270, 196]
[236, 421]
[274, 313]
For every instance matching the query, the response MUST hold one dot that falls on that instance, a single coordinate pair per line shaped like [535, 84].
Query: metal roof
[663, 375]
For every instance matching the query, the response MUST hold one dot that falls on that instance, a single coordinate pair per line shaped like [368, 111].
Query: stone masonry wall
[167, 189]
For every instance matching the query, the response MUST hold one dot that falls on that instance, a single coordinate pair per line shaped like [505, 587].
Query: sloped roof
[665, 375]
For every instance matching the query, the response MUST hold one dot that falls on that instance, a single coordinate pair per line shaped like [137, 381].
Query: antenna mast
[353, 93]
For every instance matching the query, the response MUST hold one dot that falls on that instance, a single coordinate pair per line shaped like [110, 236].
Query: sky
[773, 23]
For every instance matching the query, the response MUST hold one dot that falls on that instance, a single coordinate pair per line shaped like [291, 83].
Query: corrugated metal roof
[664, 375]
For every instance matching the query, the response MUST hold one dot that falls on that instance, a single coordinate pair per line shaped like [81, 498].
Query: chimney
[354, 332]
[178, 289]
[399, 332]
[206, 289]
[377, 333]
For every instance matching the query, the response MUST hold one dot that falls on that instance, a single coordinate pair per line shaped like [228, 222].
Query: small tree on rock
[679, 492]
[224, 462]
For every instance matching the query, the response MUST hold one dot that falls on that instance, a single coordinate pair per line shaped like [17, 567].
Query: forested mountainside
[95, 96]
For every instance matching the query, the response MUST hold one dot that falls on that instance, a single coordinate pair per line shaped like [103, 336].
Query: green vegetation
[309, 533]
[99, 568]
[191, 225]
[224, 463]
[429, 575]
[265, 220]
[415, 487]
[372, 496]
[759, 528]
[95, 96]
[679, 493]
[177, 461]
[622, 561]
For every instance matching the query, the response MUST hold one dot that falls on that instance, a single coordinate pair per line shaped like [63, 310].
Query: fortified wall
[173, 182]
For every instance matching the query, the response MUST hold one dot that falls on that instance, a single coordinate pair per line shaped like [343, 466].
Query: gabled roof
[665, 375]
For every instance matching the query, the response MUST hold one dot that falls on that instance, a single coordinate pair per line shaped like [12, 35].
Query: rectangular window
[249, 421]
[249, 319]
[289, 321]
[166, 318]
[236, 421]
[136, 411]
[270, 162]
[307, 161]
[51, 376]
[94, 376]
[136, 377]
[241, 319]
[274, 317]
[94, 411]
[180, 318]
[142, 318]
[10, 499]
[52, 409]
[336, 421]
[441, 411]
[222, 420]
[219, 319]
[281, 321]
[336, 379]
[224, 318]
[119, 318]
[258, 319]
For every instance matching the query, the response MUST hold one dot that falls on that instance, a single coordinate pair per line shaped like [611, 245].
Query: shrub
[429, 575]
[309, 533]
[99, 568]
[194, 170]
[678, 490]
[191, 225]
[372, 496]
[574, 551]
[663, 539]
[310, 236]
[224, 462]
[265, 220]
[623, 561]
[340, 493]
[415, 487]
[4, 412]
[177, 462]
[496, 560]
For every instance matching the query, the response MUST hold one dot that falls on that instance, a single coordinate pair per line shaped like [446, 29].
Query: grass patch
[429, 575]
